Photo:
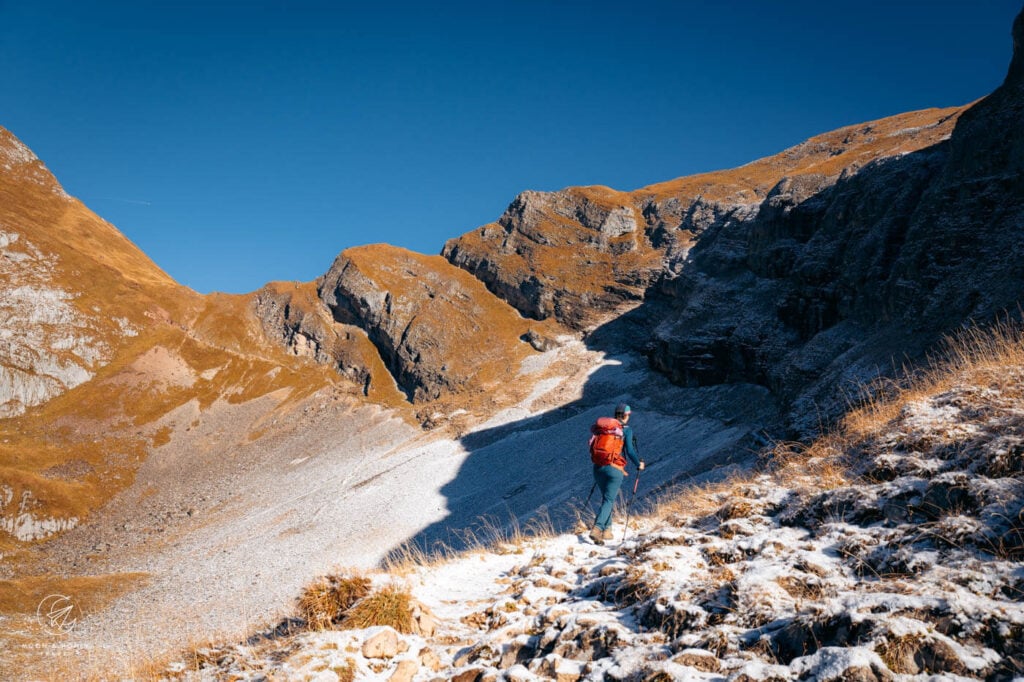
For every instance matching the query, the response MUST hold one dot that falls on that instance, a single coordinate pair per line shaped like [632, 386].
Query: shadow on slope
[526, 465]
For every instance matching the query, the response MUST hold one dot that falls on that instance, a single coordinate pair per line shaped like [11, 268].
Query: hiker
[610, 439]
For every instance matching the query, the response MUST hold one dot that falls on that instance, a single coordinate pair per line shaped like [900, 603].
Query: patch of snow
[831, 663]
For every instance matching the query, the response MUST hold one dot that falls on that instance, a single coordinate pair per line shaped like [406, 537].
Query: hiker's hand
[642, 466]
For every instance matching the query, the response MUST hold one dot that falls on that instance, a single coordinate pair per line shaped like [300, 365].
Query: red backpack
[606, 443]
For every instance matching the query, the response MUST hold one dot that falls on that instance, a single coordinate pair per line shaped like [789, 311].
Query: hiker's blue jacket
[629, 445]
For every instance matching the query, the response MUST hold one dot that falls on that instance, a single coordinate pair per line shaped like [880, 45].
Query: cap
[622, 408]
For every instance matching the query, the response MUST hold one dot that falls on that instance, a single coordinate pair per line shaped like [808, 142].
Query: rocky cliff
[293, 314]
[584, 254]
[809, 272]
[827, 282]
[438, 330]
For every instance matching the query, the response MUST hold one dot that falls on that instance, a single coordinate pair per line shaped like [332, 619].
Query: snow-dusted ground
[229, 542]
[910, 571]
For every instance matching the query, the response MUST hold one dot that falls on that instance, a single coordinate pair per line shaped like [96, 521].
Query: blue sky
[243, 142]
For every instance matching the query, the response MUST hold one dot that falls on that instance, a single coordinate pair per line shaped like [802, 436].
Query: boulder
[384, 644]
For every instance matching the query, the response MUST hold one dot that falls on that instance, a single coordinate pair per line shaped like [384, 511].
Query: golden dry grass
[88, 593]
[898, 653]
[821, 465]
[346, 672]
[991, 357]
[410, 557]
[488, 535]
[701, 499]
[100, 665]
[826, 154]
[389, 606]
[637, 585]
[327, 601]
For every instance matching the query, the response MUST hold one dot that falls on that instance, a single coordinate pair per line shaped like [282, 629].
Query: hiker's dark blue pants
[609, 480]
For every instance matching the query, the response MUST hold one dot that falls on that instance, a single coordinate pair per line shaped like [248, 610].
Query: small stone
[405, 671]
[384, 644]
[539, 342]
[519, 673]
[471, 675]
[702, 660]
[426, 624]
[430, 660]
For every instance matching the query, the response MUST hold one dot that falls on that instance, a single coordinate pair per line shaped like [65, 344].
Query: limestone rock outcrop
[585, 254]
[437, 328]
[291, 313]
[574, 255]
[47, 345]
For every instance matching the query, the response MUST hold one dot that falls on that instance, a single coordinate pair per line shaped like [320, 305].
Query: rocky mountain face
[438, 330]
[293, 314]
[583, 254]
[574, 255]
[828, 281]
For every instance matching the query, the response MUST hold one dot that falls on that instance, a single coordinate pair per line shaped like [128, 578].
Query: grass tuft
[390, 606]
[327, 601]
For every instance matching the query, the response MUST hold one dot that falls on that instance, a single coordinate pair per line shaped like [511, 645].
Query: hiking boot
[597, 535]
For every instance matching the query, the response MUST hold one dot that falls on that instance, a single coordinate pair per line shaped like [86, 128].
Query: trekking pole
[592, 489]
[625, 531]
